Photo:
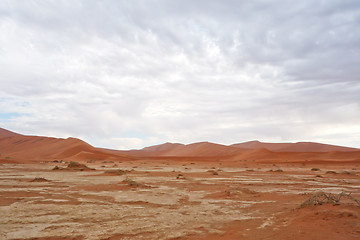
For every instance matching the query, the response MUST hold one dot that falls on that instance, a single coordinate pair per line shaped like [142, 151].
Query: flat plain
[162, 199]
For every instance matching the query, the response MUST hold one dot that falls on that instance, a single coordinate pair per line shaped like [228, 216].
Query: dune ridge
[294, 147]
[21, 148]
[34, 148]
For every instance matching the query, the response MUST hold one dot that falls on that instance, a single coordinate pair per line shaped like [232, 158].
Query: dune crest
[21, 148]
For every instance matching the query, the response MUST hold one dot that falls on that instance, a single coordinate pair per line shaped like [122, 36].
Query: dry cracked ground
[176, 201]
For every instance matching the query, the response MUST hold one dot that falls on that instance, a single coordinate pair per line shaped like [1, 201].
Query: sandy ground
[163, 200]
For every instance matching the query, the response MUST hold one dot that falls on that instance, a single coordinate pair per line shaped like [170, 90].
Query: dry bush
[132, 183]
[315, 169]
[57, 168]
[320, 198]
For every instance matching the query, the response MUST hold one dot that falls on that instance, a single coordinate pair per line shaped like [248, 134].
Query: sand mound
[74, 166]
[39, 179]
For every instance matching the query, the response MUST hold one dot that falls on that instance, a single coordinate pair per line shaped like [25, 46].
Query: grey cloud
[222, 71]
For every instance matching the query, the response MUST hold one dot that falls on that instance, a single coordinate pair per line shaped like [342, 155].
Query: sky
[129, 74]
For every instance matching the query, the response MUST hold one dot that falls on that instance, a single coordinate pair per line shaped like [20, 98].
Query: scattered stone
[180, 176]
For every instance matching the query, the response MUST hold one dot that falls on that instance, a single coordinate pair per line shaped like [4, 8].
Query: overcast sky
[129, 74]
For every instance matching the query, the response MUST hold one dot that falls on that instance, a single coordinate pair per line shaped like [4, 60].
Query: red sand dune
[294, 147]
[203, 149]
[22, 148]
[33, 148]
[251, 151]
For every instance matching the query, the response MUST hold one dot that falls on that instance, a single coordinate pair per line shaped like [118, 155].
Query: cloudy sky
[128, 74]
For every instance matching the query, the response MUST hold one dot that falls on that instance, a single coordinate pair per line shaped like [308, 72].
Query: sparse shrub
[74, 164]
[56, 168]
[315, 169]
[331, 172]
[132, 183]
[278, 170]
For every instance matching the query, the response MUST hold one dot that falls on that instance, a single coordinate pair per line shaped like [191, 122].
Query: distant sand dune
[19, 148]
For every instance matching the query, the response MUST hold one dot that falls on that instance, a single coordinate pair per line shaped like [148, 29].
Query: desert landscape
[179, 120]
[53, 188]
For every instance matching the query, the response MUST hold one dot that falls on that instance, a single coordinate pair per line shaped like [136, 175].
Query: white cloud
[182, 71]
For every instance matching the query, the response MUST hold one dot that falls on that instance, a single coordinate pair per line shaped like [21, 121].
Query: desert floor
[177, 200]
